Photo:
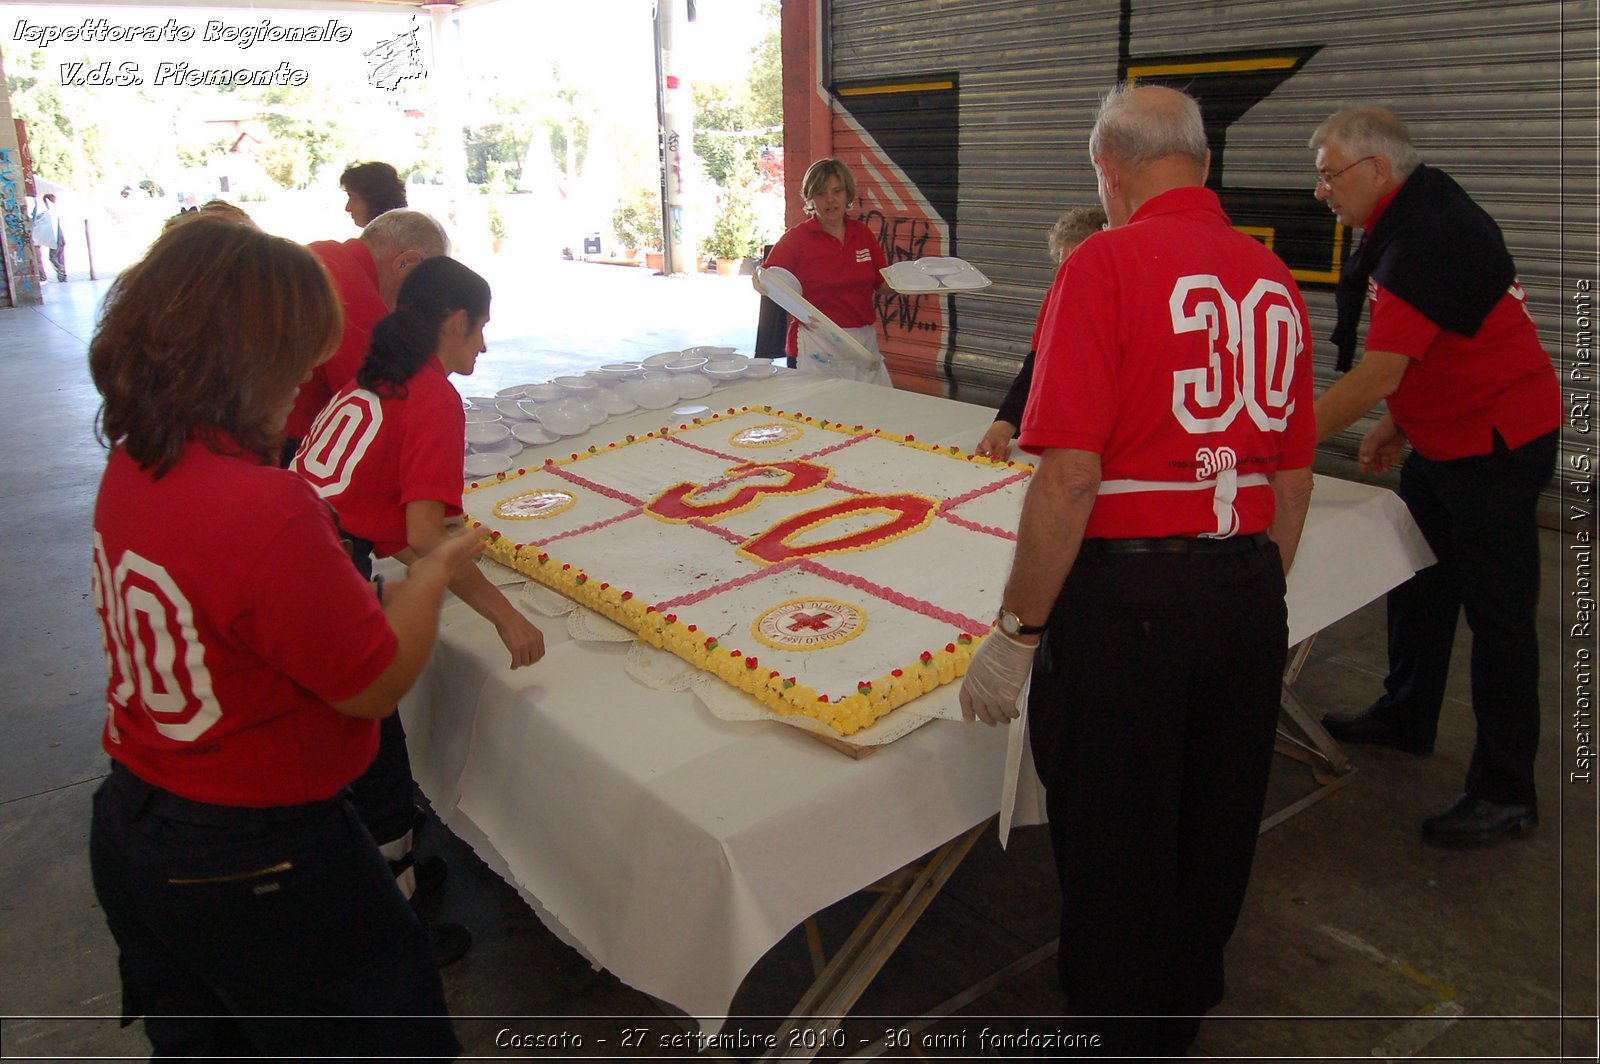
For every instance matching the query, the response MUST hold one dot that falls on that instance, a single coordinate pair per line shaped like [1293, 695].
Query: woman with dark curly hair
[1070, 230]
[249, 665]
[370, 189]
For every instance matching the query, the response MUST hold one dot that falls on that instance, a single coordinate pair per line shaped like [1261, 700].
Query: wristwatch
[1012, 625]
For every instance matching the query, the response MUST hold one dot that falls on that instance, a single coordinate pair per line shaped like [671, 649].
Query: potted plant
[626, 223]
[637, 224]
[497, 227]
[733, 234]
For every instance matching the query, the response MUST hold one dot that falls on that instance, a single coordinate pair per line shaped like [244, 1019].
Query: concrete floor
[1356, 941]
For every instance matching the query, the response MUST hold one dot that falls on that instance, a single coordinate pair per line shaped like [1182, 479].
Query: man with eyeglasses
[1452, 349]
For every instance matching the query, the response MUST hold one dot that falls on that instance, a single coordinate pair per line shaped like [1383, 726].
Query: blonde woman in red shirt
[836, 259]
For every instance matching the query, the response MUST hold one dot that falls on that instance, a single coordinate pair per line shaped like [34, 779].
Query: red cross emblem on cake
[810, 624]
[817, 622]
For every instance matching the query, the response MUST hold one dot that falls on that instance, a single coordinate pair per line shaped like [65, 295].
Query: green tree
[735, 121]
[195, 156]
[309, 117]
[764, 86]
[287, 162]
[568, 118]
[64, 149]
[733, 233]
[496, 148]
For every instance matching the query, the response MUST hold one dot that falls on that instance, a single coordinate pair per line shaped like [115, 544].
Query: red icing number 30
[678, 502]
[901, 513]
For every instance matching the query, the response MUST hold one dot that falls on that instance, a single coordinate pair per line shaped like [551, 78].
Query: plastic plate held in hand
[968, 279]
[905, 278]
[783, 288]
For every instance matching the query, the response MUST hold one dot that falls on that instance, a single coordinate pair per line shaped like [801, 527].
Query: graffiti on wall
[17, 240]
[906, 194]
[902, 239]
[1301, 231]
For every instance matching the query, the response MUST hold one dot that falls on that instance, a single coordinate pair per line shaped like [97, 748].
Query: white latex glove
[995, 678]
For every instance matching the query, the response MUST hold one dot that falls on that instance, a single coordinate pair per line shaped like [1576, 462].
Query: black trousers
[261, 932]
[383, 794]
[1479, 515]
[1153, 710]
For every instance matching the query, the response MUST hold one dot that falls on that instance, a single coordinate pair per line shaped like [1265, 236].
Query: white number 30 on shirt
[1254, 345]
[153, 652]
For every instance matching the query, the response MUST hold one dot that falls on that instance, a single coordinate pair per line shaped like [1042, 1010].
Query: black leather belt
[1174, 545]
[169, 806]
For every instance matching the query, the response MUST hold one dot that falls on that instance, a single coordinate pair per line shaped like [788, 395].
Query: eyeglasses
[1326, 180]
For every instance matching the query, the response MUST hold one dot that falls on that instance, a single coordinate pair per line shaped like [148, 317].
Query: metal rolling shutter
[1499, 95]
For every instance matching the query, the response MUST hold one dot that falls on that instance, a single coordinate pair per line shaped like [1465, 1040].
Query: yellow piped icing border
[872, 700]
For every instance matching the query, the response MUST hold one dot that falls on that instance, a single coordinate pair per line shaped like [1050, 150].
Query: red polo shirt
[355, 278]
[369, 456]
[232, 617]
[1460, 390]
[1171, 346]
[838, 278]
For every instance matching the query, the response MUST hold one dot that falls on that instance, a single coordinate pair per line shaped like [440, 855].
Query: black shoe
[1371, 727]
[450, 943]
[430, 873]
[1475, 820]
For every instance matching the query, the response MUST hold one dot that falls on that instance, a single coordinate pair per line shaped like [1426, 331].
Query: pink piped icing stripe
[973, 526]
[848, 489]
[727, 585]
[599, 489]
[851, 442]
[718, 530]
[635, 512]
[735, 459]
[905, 602]
[978, 493]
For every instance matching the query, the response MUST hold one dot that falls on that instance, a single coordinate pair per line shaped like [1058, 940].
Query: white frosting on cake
[863, 611]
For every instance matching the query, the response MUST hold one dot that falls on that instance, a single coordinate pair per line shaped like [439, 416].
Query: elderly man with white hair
[367, 271]
[1452, 349]
[1172, 411]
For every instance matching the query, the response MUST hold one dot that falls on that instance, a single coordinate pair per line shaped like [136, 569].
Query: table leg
[907, 894]
[1302, 737]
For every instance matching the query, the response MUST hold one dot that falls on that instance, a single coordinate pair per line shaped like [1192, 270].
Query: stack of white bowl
[500, 426]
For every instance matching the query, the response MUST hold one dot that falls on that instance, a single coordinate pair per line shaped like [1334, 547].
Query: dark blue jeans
[1480, 516]
[261, 932]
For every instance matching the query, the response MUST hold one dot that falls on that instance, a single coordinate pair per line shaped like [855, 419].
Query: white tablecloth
[675, 849]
